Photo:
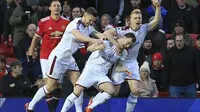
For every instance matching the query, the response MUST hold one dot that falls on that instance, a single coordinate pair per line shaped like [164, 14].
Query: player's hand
[101, 47]
[156, 2]
[127, 72]
[97, 41]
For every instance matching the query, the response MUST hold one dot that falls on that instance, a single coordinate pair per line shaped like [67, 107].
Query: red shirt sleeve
[40, 29]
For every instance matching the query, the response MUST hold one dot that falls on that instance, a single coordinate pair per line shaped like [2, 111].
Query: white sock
[78, 103]
[99, 99]
[69, 102]
[131, 102]
[38, 96]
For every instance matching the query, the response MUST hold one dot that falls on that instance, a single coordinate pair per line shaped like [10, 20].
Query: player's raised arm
[156, 20]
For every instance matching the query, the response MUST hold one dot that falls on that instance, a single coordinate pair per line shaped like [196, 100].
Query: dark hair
[2, 59]
[170, 38]
[54, 1]
[92, 11]
[130, 35]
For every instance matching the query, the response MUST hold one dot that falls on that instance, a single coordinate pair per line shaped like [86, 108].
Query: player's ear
[49, 7]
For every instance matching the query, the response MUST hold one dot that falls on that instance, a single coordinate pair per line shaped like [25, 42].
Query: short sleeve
[73, 25]
[40, 29]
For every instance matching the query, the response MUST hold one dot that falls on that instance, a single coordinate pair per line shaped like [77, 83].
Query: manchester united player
[50, 31]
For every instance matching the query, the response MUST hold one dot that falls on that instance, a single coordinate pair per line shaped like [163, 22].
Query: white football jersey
[104, 59]
[140, 36]
[69, 44]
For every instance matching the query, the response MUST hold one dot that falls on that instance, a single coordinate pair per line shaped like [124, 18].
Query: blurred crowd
[169, 58]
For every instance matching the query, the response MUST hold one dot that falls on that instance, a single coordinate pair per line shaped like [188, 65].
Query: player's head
[55, 7]
[136, 19]
[126, 41]
[89, 17]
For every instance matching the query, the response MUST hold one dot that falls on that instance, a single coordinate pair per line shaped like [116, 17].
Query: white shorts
[119, 77]
[44, 67]
[90, 77]
[57, 67]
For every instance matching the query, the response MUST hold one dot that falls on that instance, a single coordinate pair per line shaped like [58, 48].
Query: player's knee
[111, 91]
[78, 90]
[135, 91]
[50, 88]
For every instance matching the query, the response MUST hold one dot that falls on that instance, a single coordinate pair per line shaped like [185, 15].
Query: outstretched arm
[156, 20]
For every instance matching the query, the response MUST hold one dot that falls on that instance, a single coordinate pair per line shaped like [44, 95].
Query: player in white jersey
[97, 66]
[130, 62]
[61, 59]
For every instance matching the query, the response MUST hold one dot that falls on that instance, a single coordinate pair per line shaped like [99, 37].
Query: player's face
[88, 19]
[136, 21]
[55, 8]
[144, 73]
[125, 43]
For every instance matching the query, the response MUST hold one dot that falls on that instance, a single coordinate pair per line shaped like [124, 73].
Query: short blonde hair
[136, 11]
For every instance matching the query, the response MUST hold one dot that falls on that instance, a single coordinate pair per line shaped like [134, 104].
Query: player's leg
[55, 72]
[132, 99]
[42, 92]
[107, 90]
[73, 75]
[82, 83]
[51, 98]
[133, 82]
[72, 97]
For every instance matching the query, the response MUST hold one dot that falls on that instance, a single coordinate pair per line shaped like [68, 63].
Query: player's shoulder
[45, 19]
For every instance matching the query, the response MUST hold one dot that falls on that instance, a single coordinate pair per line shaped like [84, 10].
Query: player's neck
[55, 17]
[134, 28]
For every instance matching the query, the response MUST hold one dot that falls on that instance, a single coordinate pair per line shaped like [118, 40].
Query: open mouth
[138, 24]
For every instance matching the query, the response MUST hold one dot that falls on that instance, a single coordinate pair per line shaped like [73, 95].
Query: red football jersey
[51, 32]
